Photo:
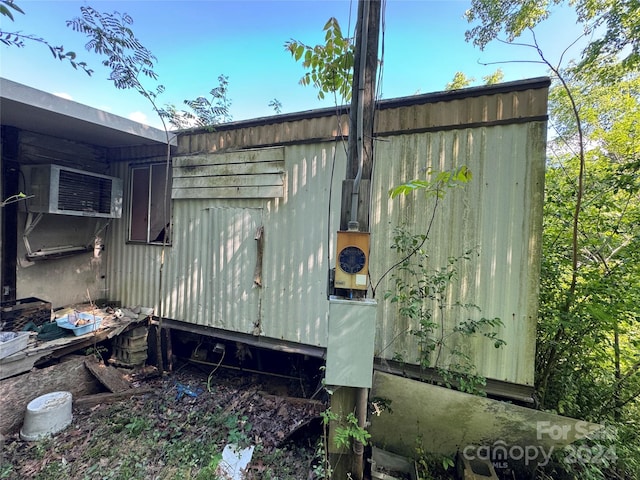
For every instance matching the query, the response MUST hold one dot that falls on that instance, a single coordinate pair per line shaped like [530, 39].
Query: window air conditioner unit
[68, 191]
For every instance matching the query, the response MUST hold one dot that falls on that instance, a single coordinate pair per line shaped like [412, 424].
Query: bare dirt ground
[178, 430]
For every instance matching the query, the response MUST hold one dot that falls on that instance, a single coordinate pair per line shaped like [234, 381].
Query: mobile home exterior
[266, 195]
[245, 243]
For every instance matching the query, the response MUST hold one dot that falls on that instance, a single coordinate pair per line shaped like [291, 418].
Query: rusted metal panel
[446, 113]
[514, 102]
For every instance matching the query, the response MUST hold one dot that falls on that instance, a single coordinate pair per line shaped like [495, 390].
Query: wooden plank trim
[229, 169]
[256, 155]
[272, 191]
[228, 181]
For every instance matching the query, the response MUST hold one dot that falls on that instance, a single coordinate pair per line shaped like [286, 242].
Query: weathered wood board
[108, 376]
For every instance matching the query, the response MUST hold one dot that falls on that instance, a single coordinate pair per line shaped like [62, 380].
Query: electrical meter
[352, 260]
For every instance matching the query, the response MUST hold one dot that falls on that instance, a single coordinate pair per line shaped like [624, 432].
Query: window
[150, 210]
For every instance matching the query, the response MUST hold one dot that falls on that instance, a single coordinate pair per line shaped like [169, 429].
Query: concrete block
[130, 342]
[128, 357]
[475, 469]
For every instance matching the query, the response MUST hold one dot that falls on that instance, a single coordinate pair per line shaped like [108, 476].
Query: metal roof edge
[471, 92]
[442, 96]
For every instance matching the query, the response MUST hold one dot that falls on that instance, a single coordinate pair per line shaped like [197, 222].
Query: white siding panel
[208, 269]
[497, 214]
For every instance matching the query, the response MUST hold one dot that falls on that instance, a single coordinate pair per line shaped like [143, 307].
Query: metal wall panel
[211, 281]
[299, 242]
[208, 269]
[207, 273]
[498, 215]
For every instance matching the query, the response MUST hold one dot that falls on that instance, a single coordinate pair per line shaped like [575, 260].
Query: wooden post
[369, 46]
[358, 175]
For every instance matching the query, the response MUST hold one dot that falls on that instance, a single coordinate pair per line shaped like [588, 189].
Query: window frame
[146, 191]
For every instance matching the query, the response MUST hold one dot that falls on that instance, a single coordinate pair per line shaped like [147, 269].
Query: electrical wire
[214, 371]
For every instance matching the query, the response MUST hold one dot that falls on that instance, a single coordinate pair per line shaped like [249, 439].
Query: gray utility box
[352, 331]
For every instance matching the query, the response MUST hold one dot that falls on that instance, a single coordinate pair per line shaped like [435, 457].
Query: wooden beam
[240, 156]
[271, 179]
[108, 376]
[89, 401]
[262, 168]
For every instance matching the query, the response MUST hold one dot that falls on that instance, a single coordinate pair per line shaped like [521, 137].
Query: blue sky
[196, 41]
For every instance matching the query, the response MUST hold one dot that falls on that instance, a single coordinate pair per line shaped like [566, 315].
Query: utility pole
[361, 116]
[355, 206]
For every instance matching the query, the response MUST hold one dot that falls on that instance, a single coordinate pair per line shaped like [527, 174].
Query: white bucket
[46, 415]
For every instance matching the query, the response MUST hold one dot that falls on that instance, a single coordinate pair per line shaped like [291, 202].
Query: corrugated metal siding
[456, 112]
[498, 213]
[207, 277]
[208, 271]
[210, 277]
[299, 236]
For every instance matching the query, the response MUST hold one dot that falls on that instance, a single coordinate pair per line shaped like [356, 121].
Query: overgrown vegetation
[202, 111]
[588, 352]
[423, 294]
[329, 66]
[346, 432]
[430, 466]
[19, 39]
[588, 355]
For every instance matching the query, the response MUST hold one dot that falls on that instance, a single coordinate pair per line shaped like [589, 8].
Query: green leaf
[6, 12]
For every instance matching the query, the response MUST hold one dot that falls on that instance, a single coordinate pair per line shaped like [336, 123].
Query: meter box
[352, 260]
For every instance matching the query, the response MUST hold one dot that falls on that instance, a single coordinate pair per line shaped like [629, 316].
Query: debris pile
[174, 426]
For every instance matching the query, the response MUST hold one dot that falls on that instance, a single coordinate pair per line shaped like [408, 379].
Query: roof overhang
[29, 109]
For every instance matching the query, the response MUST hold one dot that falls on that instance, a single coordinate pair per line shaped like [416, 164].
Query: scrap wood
[294, 400]
[89, 401]
[238, 401]
[110, 377]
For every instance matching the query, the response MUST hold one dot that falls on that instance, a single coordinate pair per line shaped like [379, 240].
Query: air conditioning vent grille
[84, 193]
[70, 191]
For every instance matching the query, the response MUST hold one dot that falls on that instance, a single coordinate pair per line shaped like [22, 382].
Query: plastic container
[46, 415]
[93, 323]
[12, 342]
